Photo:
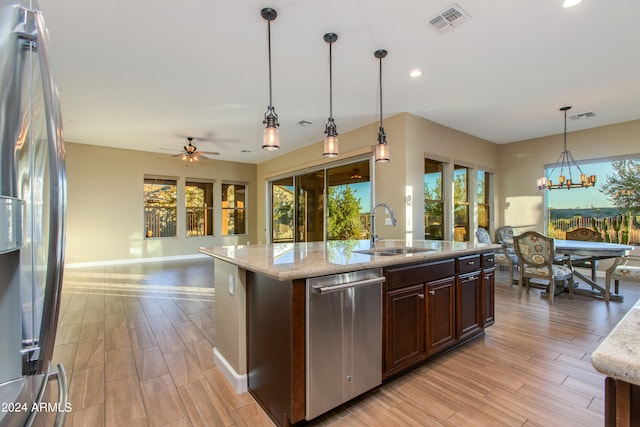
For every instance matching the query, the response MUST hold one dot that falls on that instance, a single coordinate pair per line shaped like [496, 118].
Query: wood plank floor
[136, 341]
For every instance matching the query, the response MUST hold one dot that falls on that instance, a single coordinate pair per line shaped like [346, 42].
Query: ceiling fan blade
[213, 153]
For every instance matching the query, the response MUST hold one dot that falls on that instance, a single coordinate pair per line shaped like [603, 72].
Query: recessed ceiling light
[570, 3]
[415, 73]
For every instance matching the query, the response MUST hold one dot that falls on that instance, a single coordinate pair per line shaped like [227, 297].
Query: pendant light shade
[565, 163]
[271, 135]
[382, 149]
[331, 140]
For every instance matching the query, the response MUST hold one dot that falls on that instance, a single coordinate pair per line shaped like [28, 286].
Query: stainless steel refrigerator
[32, 220]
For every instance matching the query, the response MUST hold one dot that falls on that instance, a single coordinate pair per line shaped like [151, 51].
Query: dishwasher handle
[335, 288]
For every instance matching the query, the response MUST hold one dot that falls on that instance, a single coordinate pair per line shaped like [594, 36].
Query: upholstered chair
[585, 235]
[504, 235]
[536, 253]
[502, 257]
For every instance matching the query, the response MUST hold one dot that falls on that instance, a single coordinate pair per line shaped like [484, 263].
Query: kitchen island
[618, 357]
[436, 296]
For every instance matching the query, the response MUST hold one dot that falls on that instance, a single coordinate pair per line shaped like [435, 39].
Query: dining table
[572, 250]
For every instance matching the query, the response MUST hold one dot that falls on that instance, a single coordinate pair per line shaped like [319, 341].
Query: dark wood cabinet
[441, 321]
[432, 307]
[404, 335]
[469, 304]
[488, 292]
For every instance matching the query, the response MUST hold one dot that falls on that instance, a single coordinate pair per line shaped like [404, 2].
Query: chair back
[505, 235]
[535, 249]
[483, 236]
[584, 234]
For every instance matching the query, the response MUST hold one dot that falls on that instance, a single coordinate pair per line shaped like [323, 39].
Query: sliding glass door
[331, 203]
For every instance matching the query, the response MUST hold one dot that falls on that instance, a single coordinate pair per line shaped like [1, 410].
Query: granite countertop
[618, 356]
[288, 261]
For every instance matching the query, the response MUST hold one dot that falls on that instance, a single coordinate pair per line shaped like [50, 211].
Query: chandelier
[565, 162]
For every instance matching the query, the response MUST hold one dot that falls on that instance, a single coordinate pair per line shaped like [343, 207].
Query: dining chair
[537, 253]
[585, 235]
[505, 257]
[622, 269]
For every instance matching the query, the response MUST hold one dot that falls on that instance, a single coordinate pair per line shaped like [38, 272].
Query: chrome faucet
[373, 221]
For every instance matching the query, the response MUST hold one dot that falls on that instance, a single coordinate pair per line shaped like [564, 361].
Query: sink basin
[394, 251]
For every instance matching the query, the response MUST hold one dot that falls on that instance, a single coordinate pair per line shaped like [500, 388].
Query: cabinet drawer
[487, 260]
[398, 277]
[467, 264]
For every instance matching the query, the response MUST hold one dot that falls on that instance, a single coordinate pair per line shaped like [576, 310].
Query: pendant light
[382, 149]
[271, 136]
[331, 140]
[565, 162]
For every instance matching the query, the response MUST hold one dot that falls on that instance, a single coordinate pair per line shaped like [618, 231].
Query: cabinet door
[404, 328]
[469, 304]
[441, 331]
[488, 292]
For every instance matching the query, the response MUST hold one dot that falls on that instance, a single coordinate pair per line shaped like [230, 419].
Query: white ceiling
[139, 74]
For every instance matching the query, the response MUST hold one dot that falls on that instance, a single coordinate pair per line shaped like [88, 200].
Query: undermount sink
[394, 251]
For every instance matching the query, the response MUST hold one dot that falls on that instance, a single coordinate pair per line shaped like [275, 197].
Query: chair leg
[520, 286]
[571, 287]
[617, 285]
[510, 274]
[607, 287]
[552, 290]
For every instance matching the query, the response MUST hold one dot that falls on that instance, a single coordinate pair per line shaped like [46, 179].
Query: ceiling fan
[190, 152]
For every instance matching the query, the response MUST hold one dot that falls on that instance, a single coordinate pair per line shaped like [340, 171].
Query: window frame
[208, 214]
[173, 209]
[235, 209]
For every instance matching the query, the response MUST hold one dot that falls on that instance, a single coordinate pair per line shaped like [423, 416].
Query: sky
[582, 197]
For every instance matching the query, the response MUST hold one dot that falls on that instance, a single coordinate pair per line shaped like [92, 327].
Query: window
[160, 209]
[349, 202]
[199, 208]
[611, 207]
[460, 203]
[433, 200]
[282, 205]
[233, 209]
[298, 204]
[484, 200]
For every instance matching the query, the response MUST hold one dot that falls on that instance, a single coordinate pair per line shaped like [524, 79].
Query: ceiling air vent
[448, 19]
[582, 115]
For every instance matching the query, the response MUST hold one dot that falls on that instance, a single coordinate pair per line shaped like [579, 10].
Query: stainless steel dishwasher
[343, 338]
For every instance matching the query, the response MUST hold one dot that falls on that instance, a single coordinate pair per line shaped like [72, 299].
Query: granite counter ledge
[618, 356]
[289, 261]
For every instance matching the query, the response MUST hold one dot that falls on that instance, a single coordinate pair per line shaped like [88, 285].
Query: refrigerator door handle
[57, 173]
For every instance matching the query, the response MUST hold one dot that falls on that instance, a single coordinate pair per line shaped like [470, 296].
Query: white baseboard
[237, 381]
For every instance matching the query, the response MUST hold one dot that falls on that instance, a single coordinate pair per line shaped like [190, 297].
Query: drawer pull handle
[432, 292]
[490, 259]
[421, 296]
[471, 262]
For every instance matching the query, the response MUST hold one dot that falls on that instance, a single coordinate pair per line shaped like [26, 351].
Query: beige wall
[105, 221]
[521, 163]
[409, 138]
[105, 203]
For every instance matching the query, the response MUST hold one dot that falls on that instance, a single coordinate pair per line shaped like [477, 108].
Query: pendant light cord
[380, 92]
[269, 37]
[330, 84]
